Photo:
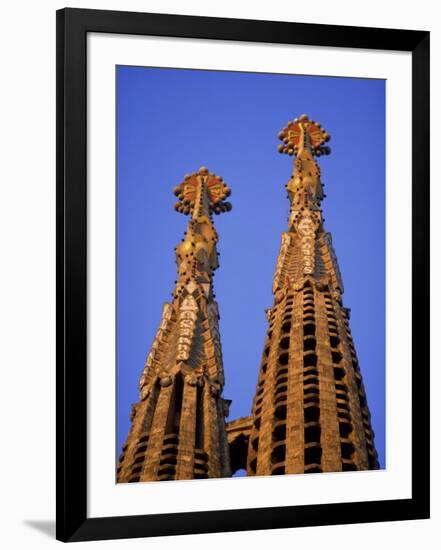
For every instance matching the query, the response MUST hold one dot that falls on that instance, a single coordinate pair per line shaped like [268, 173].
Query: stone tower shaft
[310, 412]
[178, 427]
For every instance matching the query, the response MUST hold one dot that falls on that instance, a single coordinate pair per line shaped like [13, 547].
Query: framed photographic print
[214, 351]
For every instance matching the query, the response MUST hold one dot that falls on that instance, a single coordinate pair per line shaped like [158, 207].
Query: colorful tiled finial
[202, 192]
[304, 133]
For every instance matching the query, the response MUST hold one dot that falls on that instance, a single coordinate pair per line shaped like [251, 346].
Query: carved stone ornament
[186, 348]
[215, 389]
[145, 392]
[280, 294]
[191, 379]
[133, 411]
[165, 380]
[187, 321]
[307, 418]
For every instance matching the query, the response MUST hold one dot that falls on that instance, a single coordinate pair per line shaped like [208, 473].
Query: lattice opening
[310, 360]
[312, 434]
[313, 455]
[339, 373]
[313, 469]
[170, 449]
[280, 412]
[310, 379]
[311, 413]
[281, 398]
[281, 379]
[309, 344]
[174, 411]
[335, 341]
[347, 449]
[284, 342]
[168, 471]
[345, 428]
[168, 460]
[279, 433]
[200, 475]
[312, 399]
[278, 453]
[308, 371]
[171, 438]
[342, 406]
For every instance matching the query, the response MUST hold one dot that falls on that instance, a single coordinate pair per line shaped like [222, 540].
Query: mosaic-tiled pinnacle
[178, 426]
[310, 412]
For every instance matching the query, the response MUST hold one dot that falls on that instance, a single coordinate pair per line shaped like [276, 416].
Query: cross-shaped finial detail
[303, 133]
[202, 191]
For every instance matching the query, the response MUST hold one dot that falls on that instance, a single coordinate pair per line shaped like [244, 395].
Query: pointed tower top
[304, 133]
[202, 193]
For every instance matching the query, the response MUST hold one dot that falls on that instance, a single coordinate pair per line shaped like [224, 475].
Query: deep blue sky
[171, 122]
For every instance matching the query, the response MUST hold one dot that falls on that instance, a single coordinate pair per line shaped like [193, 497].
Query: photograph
[250, 274]
[242, 273]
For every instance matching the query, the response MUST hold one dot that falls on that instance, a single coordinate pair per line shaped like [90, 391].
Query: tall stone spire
[310, 412]
[178, 426]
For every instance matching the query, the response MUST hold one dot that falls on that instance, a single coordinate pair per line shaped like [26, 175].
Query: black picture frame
[72, 28]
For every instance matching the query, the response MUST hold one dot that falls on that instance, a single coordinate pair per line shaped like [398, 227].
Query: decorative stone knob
[166, 381]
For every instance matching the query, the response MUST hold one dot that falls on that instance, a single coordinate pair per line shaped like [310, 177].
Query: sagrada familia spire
[178, 427]
[310, 412]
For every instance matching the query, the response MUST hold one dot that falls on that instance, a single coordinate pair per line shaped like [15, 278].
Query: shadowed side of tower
[178, 426]
[310, 412]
